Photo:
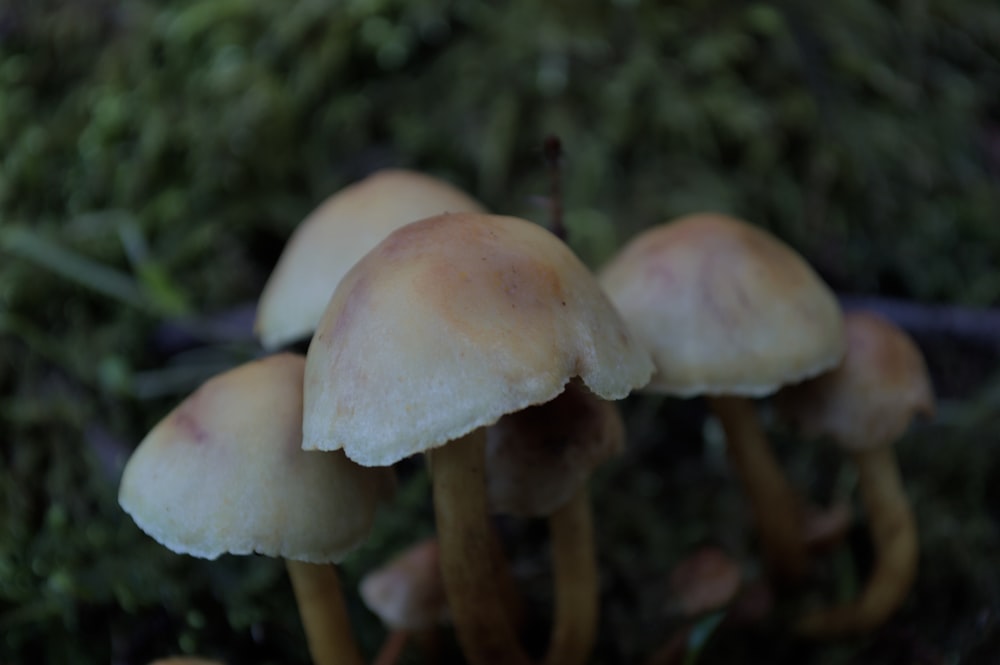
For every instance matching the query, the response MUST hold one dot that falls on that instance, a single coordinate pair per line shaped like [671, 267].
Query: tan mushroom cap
[225, 472]
[724, 307]
[872, 397]
[332, 239]
[408, 592]
[450, 323]
[537, 458]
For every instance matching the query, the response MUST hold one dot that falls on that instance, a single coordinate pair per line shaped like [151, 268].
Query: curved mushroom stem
[574, 565]
[482, 623]
[772, 499]
[324, 617]
[894, 533]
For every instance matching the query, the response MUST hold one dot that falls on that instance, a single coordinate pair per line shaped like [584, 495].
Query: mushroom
[730, 312]
[702, 585]
[863, 406]
[407, 594]
[448, 324]
[334, 236]
[224, 472]
[538, 461]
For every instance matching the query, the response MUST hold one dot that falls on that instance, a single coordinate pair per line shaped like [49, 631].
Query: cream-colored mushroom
[335, 236]
[447, 325]
[730, 312]
[224, 472]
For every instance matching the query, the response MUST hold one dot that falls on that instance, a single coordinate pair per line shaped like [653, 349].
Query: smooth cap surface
[450, 323]
[225, 472]
[725, 307]
[335, 236]
[537, 458]
[872, 397]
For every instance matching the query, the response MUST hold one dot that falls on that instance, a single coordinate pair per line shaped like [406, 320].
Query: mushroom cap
[707, 580]
[450, 323]
[332, 239]
[870, 399]
[724, 307]
[537, 458]
[408, 592]
[225, 472]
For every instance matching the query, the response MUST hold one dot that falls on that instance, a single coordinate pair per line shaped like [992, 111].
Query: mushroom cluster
[483, 343]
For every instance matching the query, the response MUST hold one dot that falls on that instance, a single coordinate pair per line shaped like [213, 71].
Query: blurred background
[157, 154]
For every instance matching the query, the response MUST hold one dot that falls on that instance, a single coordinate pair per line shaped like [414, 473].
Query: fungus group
[483, 343]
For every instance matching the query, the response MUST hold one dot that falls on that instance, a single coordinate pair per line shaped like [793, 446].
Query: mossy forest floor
[156, 155]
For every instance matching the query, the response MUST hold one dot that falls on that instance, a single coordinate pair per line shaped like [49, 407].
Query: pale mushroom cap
[335, 236]
[408, 592]
[872, 397]
[450, 323]
[225, 472]
[537, 458]
[724, 307]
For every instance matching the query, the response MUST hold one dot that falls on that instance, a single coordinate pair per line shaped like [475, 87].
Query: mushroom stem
[894, 533]
[574, 565]
[324, 616]
[468, 562]
[772, 499]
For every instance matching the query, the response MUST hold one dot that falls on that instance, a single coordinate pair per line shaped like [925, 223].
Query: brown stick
[773, 501]
[894, 533]
[574, 565]
[324, 616]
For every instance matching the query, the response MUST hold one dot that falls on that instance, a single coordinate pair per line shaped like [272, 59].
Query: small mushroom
[864, 406]
[224, 472]
[538, 462]
[408, 596]
[702, 585]
[732, 313]
[705, 581]
[332, 239]
[450, 323]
